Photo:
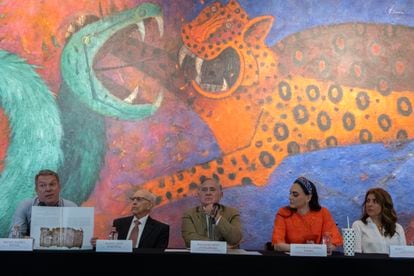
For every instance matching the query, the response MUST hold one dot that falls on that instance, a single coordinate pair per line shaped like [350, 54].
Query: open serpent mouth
[215, 76]
[132, 64]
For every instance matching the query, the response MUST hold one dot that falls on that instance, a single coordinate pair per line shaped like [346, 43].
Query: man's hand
[208, 209]
[211, 209]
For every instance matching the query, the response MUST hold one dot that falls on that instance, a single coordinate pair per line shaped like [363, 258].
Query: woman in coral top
[304, 220]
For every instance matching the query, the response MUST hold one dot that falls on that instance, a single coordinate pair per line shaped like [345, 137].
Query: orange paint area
[304, 115]
[35, 30]
[225, 32]
[269, 113]
[4, 138]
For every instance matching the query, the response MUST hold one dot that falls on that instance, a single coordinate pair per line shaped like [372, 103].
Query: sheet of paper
[242, 252]
[62, 228]
[177, 250]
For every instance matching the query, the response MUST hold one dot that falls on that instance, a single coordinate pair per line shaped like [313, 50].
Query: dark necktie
[134, 233]
[211, 228]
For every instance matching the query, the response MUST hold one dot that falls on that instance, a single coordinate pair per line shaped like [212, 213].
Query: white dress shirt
[368, 238]
[142, 221]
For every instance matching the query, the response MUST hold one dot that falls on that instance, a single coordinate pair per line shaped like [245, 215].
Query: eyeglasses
[208, 189]
[139, 199]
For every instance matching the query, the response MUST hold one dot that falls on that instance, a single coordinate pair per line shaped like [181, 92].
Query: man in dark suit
[144, 231]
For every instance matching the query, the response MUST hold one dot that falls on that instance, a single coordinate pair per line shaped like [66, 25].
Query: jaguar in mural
[329, 86]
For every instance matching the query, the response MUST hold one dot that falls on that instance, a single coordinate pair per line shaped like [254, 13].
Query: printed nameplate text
[16, 244]
[113, 245]
[310, 249]
[212, 247]
[401, 251]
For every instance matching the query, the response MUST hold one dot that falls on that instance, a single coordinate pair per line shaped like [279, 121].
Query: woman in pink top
[304, 220]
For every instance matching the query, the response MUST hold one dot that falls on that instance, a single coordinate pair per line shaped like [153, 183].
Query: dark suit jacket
[154, 235]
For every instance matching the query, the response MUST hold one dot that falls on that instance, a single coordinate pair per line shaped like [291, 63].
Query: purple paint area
[296, 15]
[173, 139]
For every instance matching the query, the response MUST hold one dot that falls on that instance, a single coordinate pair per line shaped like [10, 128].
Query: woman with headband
[304, 220]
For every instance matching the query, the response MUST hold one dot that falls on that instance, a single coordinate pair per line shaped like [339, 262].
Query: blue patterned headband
[305, 183]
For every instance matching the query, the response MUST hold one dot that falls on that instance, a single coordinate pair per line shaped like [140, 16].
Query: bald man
[211, 220]
[144, 231]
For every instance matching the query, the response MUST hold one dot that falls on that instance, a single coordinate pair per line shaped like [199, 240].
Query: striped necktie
[134, 233]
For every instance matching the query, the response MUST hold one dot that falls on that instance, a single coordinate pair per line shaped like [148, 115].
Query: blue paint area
[295, 15]
[342, 176]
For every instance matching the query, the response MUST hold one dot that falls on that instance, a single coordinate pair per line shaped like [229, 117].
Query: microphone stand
[212, 222]
[211, 228]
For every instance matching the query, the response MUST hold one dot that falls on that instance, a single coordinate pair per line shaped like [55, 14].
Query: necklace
[380, 227]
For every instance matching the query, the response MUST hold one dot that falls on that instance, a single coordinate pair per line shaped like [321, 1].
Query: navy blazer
[155, 234]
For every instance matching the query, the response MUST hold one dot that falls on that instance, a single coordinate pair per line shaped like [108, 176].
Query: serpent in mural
[264, 104]
[35, 133]
[37, 139]
[85, 99]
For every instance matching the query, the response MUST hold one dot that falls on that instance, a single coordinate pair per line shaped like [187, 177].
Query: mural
[120, 94]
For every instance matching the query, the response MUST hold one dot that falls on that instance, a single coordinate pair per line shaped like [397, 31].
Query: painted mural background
[102, 154]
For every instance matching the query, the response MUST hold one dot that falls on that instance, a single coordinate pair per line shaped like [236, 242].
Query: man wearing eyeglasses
[144, 231]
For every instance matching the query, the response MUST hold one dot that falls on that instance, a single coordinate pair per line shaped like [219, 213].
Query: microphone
[215, 210]
[212, 221]
[211, 227]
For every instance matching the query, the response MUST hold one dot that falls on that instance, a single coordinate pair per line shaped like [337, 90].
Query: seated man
[144, 231]
[48, 194]
[211, 220]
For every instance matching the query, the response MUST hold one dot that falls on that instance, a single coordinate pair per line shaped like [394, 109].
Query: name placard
[401, 251]
[16, 244]
[310, 249]
[113, 245]
[211, 247]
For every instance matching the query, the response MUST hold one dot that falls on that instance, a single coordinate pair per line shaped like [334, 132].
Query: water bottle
[327, 239]
[113, 235]
[16, 232]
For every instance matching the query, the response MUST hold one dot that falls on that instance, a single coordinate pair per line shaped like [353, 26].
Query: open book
[62, 227]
